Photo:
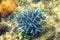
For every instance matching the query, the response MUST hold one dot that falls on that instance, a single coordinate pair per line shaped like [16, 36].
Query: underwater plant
[30, 21]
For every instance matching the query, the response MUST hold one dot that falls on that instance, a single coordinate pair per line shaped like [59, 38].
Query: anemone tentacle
[29, 21]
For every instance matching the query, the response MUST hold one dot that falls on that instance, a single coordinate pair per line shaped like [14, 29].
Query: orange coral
[7, 6]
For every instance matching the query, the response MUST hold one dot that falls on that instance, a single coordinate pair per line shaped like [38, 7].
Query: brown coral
[7, 7]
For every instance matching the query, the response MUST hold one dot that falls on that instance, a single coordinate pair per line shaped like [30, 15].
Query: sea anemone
[29, 21]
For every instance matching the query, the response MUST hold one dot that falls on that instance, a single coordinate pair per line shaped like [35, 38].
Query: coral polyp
[29, 21]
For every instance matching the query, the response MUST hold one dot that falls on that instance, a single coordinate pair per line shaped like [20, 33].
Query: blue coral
[29, 21]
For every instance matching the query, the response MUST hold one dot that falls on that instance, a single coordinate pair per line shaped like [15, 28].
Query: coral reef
[28, 24]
